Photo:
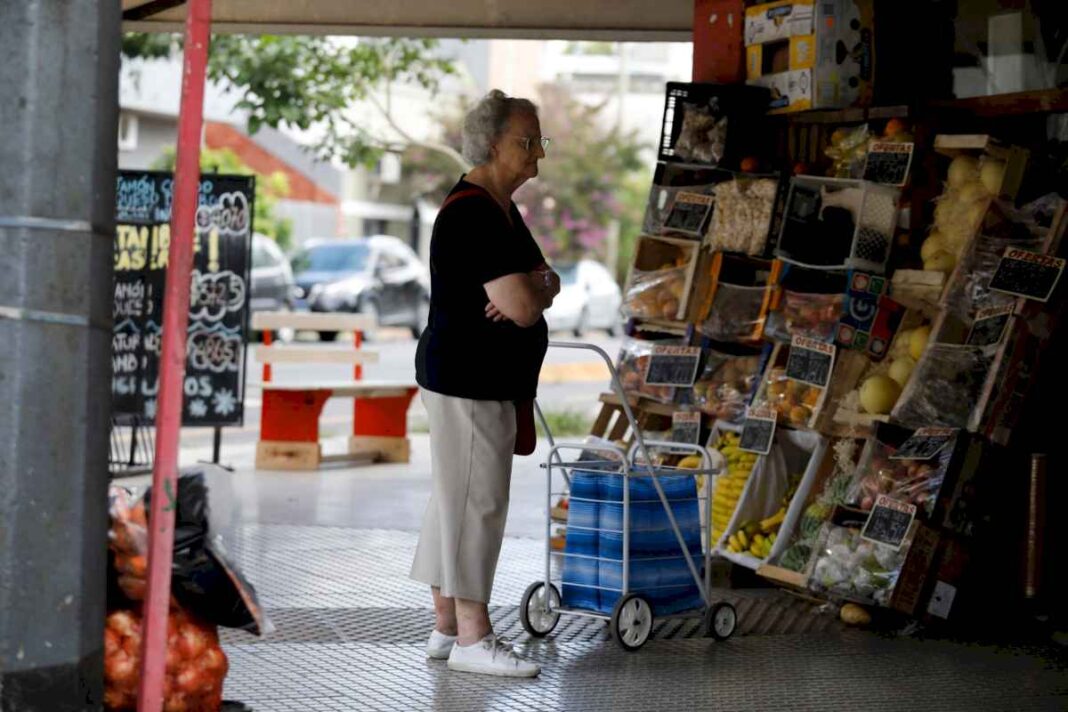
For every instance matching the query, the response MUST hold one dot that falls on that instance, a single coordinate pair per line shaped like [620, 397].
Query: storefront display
[878, 341]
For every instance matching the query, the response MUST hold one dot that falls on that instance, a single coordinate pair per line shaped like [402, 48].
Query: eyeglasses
[527, 142]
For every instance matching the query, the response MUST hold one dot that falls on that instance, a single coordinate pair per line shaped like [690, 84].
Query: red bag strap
[469, 192]
[463, 194]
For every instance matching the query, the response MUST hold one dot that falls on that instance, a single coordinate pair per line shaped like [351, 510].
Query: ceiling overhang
[608, 20]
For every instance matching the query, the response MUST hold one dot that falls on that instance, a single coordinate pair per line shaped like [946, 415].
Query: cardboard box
[811, 55]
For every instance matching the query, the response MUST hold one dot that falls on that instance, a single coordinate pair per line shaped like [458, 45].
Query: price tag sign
[889, 521]
[989, 326]
[925, 443]
[686, 428]
[689, 213]
[889, 162]
[1027, 274]
[810, 361]
[672, 366]
[758, 430]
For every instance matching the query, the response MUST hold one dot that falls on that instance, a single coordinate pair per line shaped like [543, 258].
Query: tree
[592, 176]
[311, 83]
[269, 188]
[574, 201]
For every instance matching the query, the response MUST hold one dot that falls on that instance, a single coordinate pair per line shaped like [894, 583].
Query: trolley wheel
[532, 609]
[632, 621]
[720, 621]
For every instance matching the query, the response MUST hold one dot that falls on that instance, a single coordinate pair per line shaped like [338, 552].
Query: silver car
[589, 299]
[271, 276]
[379, 276]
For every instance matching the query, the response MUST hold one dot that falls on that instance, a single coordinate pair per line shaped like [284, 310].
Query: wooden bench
[289, 415]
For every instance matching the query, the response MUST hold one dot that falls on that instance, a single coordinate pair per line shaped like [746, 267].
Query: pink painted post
[172, 357]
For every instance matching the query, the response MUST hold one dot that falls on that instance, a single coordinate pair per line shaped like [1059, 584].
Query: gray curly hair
[487, 121]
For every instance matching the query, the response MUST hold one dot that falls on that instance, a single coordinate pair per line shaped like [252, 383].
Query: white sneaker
[440, 645]
[491, 656]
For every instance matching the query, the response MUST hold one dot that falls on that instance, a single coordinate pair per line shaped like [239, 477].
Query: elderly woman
[479, 356]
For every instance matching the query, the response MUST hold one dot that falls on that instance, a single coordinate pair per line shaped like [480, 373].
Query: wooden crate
[777, 361]
[850, 371]
[611, 422]
[978, 145]
[721, 272]
[650, 255]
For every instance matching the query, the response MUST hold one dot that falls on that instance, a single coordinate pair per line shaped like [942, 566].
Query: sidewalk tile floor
[351, 627]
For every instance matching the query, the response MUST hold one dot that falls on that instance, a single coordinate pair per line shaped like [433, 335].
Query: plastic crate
[832, 223]
[742, 106]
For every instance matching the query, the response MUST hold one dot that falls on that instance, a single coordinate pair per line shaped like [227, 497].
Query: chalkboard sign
[924, 444]
[758, 431]
[889, 521]
[889, 162]
[810, 361]
[686, 428]
[672, 366]
[1027, 274]
[689, 213]
[989, 326]
[218, 303]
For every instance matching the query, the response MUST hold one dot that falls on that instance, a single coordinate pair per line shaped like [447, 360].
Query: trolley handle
[591, 447]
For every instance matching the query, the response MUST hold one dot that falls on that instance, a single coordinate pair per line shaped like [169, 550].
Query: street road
[571, 380]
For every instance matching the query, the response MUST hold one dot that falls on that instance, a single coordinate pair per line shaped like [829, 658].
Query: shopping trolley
[632, 614]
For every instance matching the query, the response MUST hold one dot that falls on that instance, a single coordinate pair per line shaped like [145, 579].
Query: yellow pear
[918, 341]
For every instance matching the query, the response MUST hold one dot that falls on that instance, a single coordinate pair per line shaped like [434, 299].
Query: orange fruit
[894, 127]
[750, 164]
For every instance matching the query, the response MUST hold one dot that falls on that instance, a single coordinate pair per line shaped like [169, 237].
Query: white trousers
[471, 444]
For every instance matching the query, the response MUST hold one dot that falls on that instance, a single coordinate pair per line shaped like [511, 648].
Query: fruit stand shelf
[1042, 101]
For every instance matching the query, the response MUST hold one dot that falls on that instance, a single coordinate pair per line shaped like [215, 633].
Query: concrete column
[59, 65]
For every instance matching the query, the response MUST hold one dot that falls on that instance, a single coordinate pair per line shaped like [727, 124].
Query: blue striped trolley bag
[635, 549]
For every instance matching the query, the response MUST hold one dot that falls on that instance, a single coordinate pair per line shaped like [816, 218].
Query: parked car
[271, 277]
[589, 299]
[379, 276]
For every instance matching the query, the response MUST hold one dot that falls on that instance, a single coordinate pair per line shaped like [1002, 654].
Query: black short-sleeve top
[461, 352]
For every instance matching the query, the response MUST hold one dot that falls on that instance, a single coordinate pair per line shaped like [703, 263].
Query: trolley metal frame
[719, 617]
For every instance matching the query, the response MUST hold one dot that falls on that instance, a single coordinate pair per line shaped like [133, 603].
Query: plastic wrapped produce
[812, 315]
[736, 314]
[1003, 227]
[703, 138]
[794, 401]
[847, 565]
[848, 151]
[912, 481]
[655, 294]
[633, 361]
[742, 218]
[835, 491]
[725, 385]
[945, 386]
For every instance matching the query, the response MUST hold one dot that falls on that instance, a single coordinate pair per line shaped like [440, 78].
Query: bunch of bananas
[757, 538]
[729, 486]
[690, 462]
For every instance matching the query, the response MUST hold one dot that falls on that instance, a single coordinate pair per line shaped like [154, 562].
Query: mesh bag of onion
[196, 664]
